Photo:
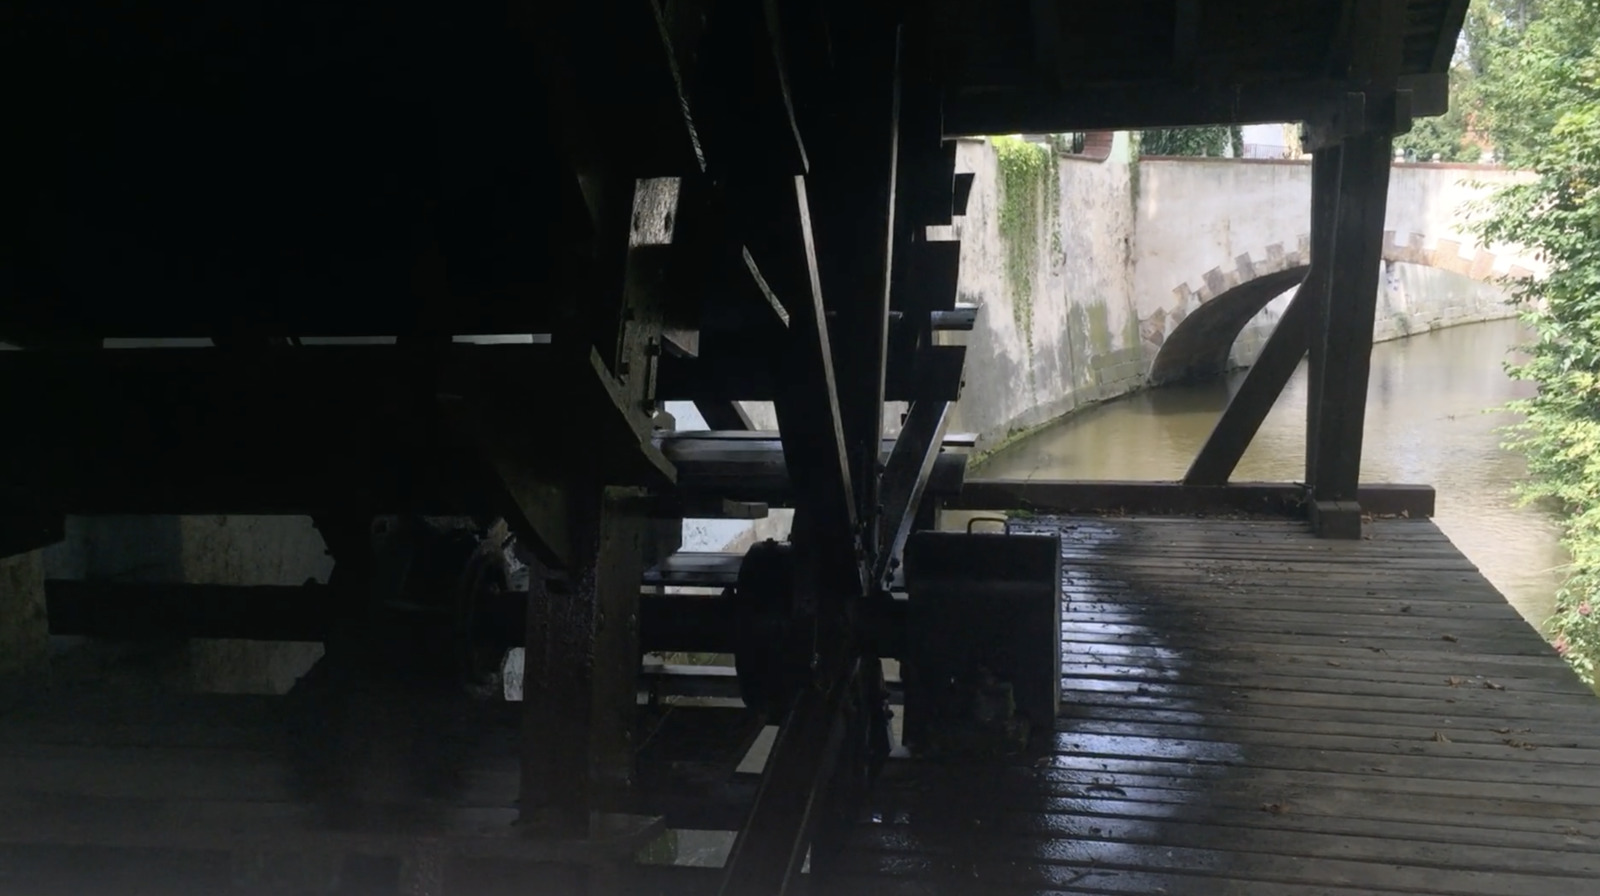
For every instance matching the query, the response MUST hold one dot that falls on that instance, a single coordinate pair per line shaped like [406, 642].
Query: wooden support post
[767, 857]
[578, 695]
[905, 479]
[581, 628]
[1325, 166]
[1334, 457]
[831, 431]
[1248, 407]
[855, 189]
[810, 420]
[1240, 421]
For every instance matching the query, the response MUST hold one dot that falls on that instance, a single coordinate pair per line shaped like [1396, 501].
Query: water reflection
[1431, 418]
[1133, 764]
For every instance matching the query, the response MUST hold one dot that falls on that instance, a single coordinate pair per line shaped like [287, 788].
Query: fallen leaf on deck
[1493, 686]
[1502, 731]
[1274, 808]
[1335, 663]
[1451, 638]
[1439, 737]
[1454, 681]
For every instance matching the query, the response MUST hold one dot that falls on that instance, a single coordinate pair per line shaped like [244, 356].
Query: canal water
[1433, 416]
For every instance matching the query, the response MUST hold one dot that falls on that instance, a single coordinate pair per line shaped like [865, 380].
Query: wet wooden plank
[1247, 710]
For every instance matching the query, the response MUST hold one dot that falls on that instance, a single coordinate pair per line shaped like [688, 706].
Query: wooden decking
[1250, 710]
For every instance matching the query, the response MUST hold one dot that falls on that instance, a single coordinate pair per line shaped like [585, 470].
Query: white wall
[1075, 340]
[1205, 225]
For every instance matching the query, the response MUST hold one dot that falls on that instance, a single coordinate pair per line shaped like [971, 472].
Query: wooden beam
[574, 44]
[1046, 29]
[1325, 168]
[723, 414]
[1248, 407]
[300, 429]
[1455, 16]
[769, 852]
[1185, 39]
[759, 471]
[933, 373]
[933, 276]
[962, 192]
[1346, 340]
[854, 183]
[905, 479]
[807, 401]
[964, 316]
[578, 686]
[1290, 341]
[1377, 37]
[741, 92]
[1174, 498]
[858, 88]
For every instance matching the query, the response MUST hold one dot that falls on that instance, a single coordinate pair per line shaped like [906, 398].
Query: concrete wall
[1136, 248]
[1412, 299]
[1073, 338]
[217, 550]
[1206, 225]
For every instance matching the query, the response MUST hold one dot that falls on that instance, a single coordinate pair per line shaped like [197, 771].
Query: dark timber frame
[1330, 317]
[721, 202]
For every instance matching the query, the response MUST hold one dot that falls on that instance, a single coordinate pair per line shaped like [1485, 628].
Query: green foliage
[1449, 136]
[1527, 56]
[1207, 141]
[1029, 198]
[1552, 71]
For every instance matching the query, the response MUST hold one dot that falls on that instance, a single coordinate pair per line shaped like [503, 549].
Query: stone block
[1482, 265]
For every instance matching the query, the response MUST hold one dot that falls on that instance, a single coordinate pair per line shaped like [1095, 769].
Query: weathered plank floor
[1250, 710]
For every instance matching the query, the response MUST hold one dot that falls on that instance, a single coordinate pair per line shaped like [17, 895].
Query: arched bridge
[1220, 241]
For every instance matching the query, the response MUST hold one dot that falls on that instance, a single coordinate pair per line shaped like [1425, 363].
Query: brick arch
[1205, 319]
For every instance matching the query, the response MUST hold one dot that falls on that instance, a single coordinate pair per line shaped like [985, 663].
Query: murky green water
[1431, 418]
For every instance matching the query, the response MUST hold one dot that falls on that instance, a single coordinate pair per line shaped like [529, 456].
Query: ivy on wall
[1029, 199]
